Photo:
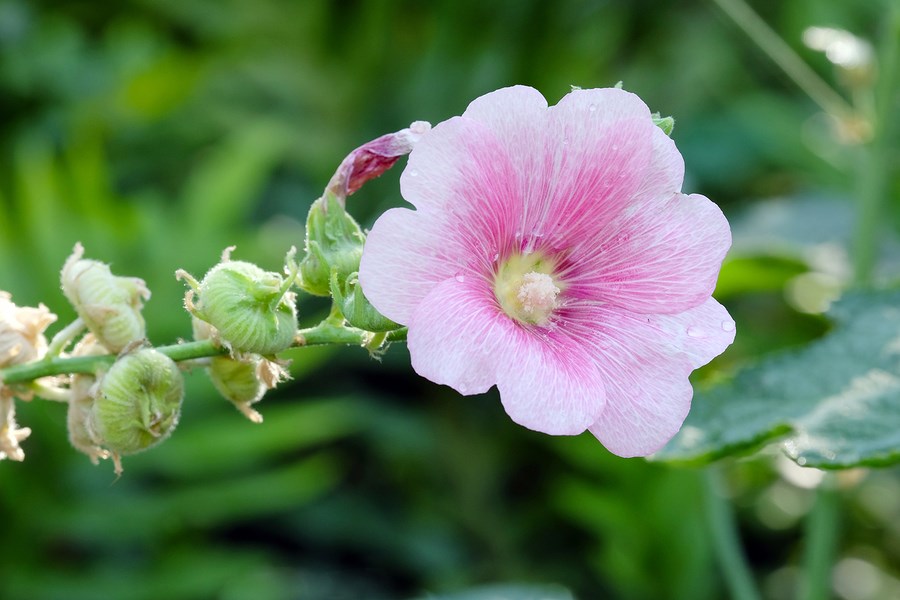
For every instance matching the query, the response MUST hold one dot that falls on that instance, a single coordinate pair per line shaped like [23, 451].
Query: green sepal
[667, 124]
[355, 307]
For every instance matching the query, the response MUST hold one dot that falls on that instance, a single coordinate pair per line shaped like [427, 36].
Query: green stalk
[322, 334]
[822, 534]
[873, 163]
[726, 541]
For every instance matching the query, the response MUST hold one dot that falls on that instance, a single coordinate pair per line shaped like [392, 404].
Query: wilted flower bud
[356, 307]
[374, 158]
[136, 403]
[242, 381]
[22, 331]
[251, 310]
[110, 306]
[334, 243]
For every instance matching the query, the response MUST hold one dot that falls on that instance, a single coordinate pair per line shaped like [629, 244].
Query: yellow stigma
[526, 289]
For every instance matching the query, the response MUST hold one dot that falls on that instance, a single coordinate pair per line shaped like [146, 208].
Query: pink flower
[552, 254]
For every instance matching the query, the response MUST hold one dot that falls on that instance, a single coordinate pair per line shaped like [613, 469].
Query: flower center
[526, 290]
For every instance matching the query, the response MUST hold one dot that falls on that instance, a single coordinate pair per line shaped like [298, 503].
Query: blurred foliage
[158, 132]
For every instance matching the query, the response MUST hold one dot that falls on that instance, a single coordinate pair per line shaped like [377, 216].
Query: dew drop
[460, 278]
[615, 147]
[413, 173]
[592, 107]
[727, 325]
[696, 332]
[496, 257]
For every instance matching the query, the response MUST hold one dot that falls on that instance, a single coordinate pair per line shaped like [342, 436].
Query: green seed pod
[251, 310]
[110, 306]
[242, 381]
[137, 403]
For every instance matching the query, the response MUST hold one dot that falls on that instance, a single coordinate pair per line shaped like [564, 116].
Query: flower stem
[322, 334]
[785, 57]
[822, 528]
[725, 538]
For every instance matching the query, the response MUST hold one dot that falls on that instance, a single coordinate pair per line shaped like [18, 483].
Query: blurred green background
[157, 132]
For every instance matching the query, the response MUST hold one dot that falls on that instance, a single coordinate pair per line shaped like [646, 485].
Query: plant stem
[727, 543]
[822, 528]
[785, 57]
[873, 167]
[322, 334]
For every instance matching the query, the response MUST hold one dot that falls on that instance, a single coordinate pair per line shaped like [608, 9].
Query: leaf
[834, 404]
[507, 592]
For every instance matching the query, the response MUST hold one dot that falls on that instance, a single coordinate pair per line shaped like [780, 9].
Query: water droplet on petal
[727, 325]
[413, 173]
[615, 147]
[496, 257]
[696, 332]
[592, 107]
[460, 278]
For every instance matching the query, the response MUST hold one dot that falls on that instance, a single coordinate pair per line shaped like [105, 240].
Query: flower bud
[137, 403]
[110, 306]
[22, 331]
[251, 310]
[334, 243]
[356, 308]
[374, 158]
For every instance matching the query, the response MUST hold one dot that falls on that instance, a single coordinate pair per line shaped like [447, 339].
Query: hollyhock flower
[552, 254]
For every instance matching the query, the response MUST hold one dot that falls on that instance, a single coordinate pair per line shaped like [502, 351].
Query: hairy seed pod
[251, 310]
[137, 402]
[110, 306]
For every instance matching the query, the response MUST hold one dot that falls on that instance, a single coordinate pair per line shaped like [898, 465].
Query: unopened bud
[374, 158]
[22, 331]
[251, 310]
[110, 306]
[334, 243]
[356, 308]
[137, 403]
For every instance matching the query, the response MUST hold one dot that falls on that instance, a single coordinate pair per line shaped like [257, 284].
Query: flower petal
[702, 333]
[660, 257]
[646, 362]
[548, 383]
[401, 263]
[457, 334]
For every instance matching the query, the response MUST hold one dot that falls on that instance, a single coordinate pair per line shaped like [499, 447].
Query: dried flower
[22, 331]
[552, 254]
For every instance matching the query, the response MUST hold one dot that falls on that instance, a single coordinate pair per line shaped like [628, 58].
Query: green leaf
[834, 404]
[507, 592]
